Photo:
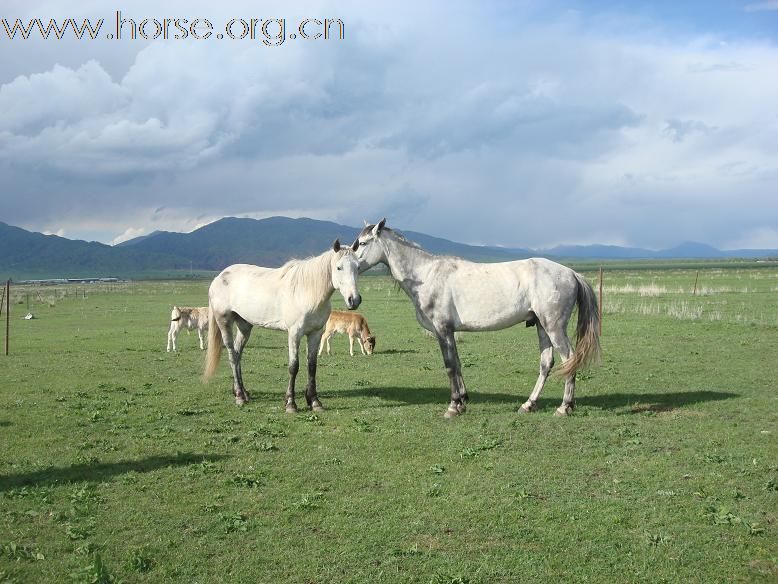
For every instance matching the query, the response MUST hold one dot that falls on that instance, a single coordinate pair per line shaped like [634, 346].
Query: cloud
[760, 236]
[677, 130]
[129, 233]
[548, 129]
[58, 97]
[769, 5]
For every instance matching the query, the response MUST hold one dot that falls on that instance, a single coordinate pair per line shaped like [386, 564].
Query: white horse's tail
[587, 342]
[214, 353]
[175, 314]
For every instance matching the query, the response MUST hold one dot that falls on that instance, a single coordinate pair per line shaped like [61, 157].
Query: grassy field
[119, 465]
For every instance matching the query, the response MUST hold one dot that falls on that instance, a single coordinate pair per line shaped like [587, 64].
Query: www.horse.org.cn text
[267, 31]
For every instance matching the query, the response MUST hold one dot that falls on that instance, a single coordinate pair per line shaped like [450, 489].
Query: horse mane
[402, 239]
[311, 275]
[399, 237]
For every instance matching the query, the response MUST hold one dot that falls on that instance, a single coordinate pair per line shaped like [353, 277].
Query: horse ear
[365, 222]
[379, 227]
[355, 245]
[336, 245]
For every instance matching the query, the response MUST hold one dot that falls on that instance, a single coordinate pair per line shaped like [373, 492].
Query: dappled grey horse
[451, 294]
[293, 298]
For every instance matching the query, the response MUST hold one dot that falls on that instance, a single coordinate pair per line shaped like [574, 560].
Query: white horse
[294, 298]
[451, 294]
[190, 318]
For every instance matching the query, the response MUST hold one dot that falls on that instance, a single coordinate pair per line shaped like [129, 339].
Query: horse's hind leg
[294, 366]
[311, 396]
[563, 346]
[546, 363]
[225, 326]
[241, 338]
[200, 335]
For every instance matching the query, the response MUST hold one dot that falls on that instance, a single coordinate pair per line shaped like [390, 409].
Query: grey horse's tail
[587, 343]
[214, 353]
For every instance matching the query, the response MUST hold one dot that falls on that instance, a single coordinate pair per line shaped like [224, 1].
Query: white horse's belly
[262, 312]
[489, 317]
[488, 299]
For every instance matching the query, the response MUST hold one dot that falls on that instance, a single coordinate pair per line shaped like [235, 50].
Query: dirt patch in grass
[656, 408]
[764, 567]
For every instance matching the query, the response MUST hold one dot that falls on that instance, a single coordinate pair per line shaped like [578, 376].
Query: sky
[525, 123]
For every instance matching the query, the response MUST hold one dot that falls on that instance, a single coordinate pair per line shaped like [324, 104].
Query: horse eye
[361, 243]
[340, 267]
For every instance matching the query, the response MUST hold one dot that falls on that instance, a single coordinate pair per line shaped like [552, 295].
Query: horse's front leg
[463, 396]
[311, 397]
[171, 337]
[294, 366]
[448, 348]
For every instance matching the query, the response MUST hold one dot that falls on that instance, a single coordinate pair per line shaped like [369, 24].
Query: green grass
[119, 465]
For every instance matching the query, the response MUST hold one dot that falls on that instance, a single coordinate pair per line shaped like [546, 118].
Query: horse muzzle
[353, 302]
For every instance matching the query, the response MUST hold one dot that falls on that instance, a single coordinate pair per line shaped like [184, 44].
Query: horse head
[367, 247]
[345, 271]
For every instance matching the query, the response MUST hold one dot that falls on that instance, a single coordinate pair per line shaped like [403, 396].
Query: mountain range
[268, 242]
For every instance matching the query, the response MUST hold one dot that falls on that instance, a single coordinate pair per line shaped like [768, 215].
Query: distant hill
[34, 254]
[685, 250]
[268, 242]
[272, 241]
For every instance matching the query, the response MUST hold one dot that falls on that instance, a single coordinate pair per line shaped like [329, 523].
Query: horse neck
[325, 266]
[405, 261]
[315, 275]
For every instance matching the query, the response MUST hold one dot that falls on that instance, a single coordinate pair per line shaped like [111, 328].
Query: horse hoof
[291, 409]
[528, 409]
[563, 411]
[451, 412]
[239, 401]
[317, 407]
[461, 408]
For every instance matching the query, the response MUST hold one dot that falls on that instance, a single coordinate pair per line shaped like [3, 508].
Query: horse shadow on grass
[99, 472]
[637, 402]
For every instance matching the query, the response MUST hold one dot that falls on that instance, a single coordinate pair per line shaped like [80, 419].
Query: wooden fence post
[7, 313]
[599, 306]
[694, 292]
